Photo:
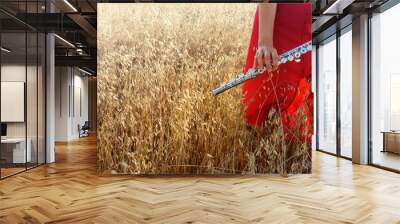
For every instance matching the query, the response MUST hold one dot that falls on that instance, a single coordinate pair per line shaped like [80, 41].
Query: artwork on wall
[158, 66]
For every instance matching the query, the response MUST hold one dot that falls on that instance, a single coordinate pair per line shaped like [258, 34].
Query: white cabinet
[17, 147]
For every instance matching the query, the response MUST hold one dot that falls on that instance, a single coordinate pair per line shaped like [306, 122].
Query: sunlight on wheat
[157, 65]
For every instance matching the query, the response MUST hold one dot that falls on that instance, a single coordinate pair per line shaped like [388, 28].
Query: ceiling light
[337, 7]
[70, 5]
[5, 50]
[84, 71]
[65, 41]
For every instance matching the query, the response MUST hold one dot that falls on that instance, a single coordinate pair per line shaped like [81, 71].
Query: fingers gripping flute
[293, 54]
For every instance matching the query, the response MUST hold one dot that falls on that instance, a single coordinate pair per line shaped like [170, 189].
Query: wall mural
[173, 94]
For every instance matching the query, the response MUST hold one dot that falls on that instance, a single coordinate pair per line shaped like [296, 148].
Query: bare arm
[266, 53]
[267, 12]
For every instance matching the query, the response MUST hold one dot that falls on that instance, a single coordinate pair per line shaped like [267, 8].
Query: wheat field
[157, 65]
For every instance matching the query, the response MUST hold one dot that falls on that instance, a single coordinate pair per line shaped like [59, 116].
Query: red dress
[288, 87]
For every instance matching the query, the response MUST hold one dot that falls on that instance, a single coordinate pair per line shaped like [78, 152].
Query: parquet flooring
[70, 191]
[10, 171]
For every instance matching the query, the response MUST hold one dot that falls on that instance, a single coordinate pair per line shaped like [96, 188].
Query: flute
[293, 54]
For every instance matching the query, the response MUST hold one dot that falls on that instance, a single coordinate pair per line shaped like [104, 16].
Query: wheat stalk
[156, 114]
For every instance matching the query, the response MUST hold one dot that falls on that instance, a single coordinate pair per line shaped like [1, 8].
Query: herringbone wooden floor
[70, 191]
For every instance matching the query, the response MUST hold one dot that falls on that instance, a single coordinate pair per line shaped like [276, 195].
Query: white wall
[62, 82]
[70, 83]
[80, 84]
[13, 72]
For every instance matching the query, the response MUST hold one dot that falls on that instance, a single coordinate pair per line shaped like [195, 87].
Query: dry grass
[156, 114]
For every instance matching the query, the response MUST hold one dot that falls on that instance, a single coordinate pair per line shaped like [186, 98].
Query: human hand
[266, 56]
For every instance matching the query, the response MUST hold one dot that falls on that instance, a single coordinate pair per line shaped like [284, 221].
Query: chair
[84, 130]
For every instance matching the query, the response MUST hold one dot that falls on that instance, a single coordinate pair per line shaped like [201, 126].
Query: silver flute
[293, 54]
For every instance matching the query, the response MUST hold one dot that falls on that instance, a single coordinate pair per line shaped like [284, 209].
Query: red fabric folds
[289, 87]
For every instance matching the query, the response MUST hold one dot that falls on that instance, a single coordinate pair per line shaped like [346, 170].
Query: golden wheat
[156, 115]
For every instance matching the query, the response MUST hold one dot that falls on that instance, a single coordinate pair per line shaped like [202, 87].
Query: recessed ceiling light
[84, 71]
[5, 50]
[337, 7]
[65, 41]
[70, 5]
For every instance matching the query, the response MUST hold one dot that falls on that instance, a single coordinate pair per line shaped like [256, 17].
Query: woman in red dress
[278, 28]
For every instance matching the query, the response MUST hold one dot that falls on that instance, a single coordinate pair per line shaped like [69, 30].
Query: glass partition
[14, 151]
[22, 78]
[31, 99]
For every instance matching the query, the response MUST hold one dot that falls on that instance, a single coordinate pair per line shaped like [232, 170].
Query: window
[385, 89]
[314, 87]
[327, 96]
[346, 93]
